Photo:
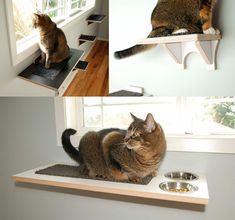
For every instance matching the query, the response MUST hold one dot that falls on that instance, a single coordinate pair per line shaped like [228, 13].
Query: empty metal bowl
[178, 187]
[181, 176]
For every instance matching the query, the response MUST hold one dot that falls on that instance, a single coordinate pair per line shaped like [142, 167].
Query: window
[196, 122]
[22, 33]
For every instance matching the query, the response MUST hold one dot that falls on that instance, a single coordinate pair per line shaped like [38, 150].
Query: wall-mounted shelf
[125, 93]
[181, 45]
[86, 38]
[151, 190]
[82, 65]
[95, 18]
[57, 77]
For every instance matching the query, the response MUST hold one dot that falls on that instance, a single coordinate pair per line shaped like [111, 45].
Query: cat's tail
[132, 51]
[158, 32]
[68, 147]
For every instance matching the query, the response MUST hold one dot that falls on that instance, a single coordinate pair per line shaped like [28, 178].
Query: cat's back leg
[91, 154]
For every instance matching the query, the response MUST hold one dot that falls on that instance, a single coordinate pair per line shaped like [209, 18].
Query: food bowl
[178, 187]
[181, 176]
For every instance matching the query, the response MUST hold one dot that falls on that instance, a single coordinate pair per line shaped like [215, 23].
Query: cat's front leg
[43, 57]
[48, 58]
[134, 178]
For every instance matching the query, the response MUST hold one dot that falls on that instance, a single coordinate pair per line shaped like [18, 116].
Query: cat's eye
[136, 135]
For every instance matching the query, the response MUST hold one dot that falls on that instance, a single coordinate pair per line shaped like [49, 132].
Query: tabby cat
[52, 42]
[175, 17]
[121, 155]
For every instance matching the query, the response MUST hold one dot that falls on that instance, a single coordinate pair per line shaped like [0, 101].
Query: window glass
[58, 10]
[22, 11]
[177, 115]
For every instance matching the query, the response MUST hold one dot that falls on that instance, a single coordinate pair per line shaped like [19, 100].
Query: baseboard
[90, 49]
[102, 39]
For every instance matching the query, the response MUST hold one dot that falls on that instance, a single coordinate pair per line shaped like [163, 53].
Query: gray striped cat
[121, 155]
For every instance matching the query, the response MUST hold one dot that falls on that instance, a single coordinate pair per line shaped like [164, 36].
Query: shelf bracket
[179, 47]
[208, 50]
[95, 18]
[86, 38]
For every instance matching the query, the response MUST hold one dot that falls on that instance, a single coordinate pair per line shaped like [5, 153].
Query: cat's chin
[136, 147]
[129, 147]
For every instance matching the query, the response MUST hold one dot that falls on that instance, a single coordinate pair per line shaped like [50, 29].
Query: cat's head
[41, 20]
[143, 133]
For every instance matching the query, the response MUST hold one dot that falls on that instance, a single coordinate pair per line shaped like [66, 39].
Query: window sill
[30, 47]
[150, 191]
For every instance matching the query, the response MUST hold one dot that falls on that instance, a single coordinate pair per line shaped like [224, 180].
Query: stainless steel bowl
[181, 176]
[178, 187]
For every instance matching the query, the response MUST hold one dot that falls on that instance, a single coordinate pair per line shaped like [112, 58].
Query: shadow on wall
[217, 15]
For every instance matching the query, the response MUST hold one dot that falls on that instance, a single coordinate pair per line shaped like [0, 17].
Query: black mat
[82, 65]
[84, 37]
[96, 18]
[77, 172]
[53, 71]
[125, 93]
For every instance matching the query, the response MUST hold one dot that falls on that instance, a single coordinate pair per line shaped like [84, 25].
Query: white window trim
[224, 144]
[32, 45]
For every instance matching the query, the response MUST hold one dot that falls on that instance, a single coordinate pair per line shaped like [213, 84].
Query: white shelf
[181, 45]
[95, 18]
[151, 190]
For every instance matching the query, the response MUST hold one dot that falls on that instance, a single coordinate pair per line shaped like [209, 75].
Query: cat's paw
[47, 65]
[135, 179]
[211, 30]
[154, 173]
[118, 175]
[180, 31]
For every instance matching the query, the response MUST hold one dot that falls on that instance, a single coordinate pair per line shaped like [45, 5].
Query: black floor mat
[76, 172]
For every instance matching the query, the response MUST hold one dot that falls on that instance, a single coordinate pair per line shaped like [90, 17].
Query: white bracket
[179, 47]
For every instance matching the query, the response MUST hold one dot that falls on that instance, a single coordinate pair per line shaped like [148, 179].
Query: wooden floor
[93, 81]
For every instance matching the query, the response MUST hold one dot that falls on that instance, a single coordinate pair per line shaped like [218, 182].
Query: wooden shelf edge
[123, 189]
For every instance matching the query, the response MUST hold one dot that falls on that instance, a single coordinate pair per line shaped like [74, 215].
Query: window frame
[224, 144]
[30, 47]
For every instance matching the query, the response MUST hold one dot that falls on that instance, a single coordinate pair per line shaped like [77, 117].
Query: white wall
[28, 140]
[155, 70]
[102, 7]
[10, 85]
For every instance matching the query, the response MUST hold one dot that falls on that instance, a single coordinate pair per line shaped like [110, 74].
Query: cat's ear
[134, 117]
[150, 123]
[36, 16]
